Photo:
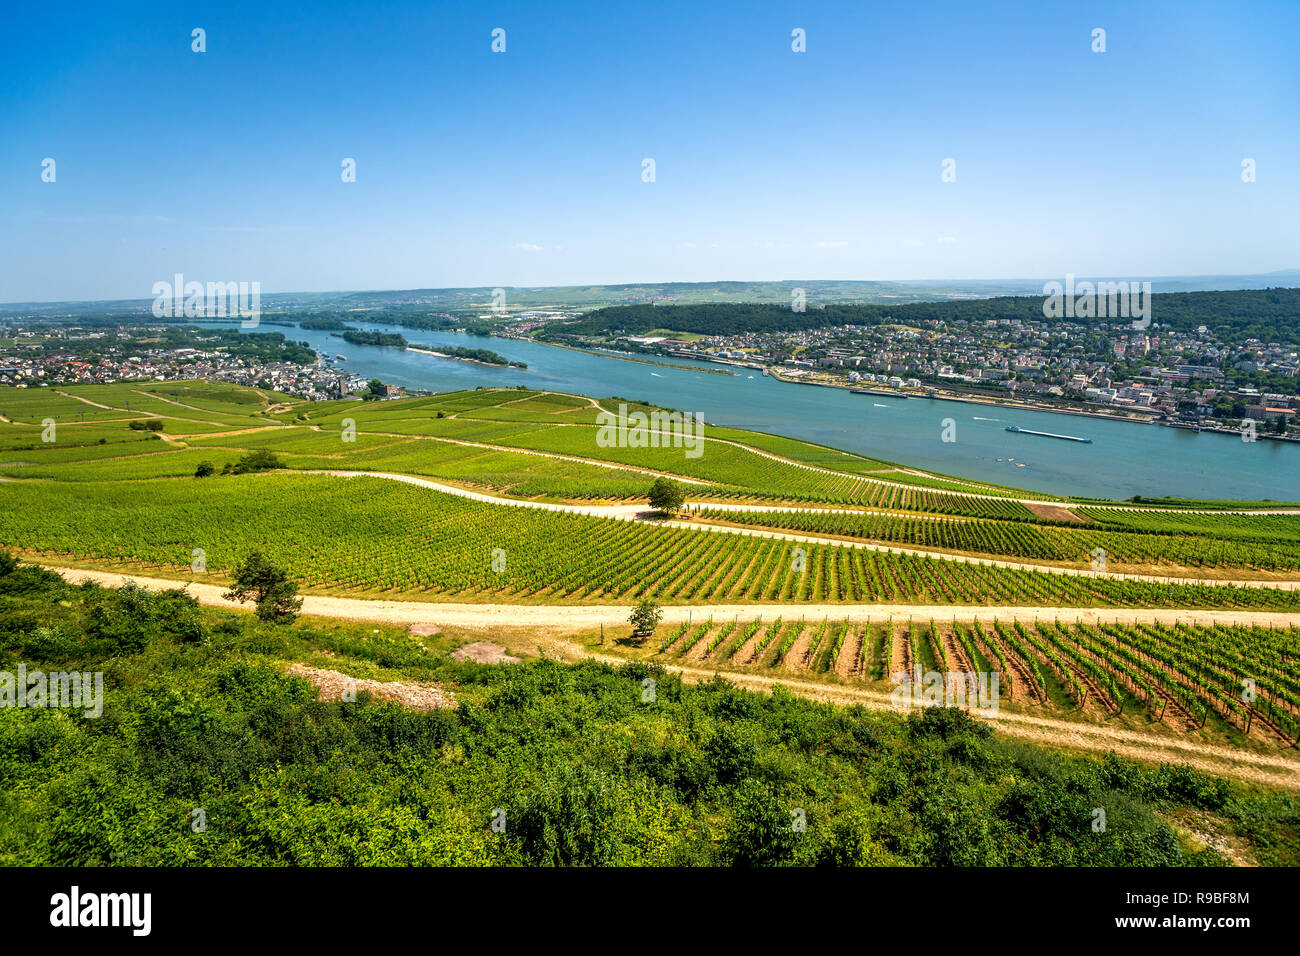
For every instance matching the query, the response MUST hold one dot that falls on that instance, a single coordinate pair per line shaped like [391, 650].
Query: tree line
[1270, 315]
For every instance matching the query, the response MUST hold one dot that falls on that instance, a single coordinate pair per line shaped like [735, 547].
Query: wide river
[1124, 458]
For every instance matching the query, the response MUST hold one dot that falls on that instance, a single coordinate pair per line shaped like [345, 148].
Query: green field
[372, 535]
[526, 444]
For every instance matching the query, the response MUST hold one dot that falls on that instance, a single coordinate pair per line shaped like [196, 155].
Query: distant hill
[479, 298]
[1268, 314]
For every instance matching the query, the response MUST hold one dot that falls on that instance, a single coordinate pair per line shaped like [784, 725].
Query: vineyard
[373, 535]
[540, 440]
[103, 492]
[737, 464]
[1238, 679]
[1264, 542]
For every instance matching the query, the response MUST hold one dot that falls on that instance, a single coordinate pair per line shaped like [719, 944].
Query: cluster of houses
[1157, 373]
[315, 382]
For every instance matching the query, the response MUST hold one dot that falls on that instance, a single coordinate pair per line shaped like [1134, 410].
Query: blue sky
[524, 168]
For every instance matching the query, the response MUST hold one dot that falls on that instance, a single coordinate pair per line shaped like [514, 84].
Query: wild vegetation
[209, 752]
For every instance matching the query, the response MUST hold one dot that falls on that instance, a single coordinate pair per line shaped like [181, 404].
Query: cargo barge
[880, 393]
[1027, 431]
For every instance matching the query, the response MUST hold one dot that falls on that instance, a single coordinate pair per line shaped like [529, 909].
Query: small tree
[667, 496]
[645, 618]
[205, 468]
[258, 580]
[261, 460]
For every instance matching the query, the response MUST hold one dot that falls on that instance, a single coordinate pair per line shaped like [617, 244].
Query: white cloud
[528, 247]
[832, 243]
[945, 240]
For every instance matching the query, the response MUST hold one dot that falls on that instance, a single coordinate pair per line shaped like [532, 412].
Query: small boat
[1027, 431]
[341, 358]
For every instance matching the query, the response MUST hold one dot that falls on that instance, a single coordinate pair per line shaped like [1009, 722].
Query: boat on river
[878, 392]
[1029, 431]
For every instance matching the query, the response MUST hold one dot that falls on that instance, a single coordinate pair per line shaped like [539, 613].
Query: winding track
[569, 617]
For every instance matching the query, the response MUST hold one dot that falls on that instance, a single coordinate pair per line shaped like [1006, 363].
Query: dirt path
[700, 650]
[745, 652]
[901, 658]
[849, 663]
[169, 401]
[227, 434]
[78, 398]
[957, 658]
[570, 617]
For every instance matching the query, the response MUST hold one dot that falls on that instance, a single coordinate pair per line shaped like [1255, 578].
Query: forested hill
[1271, 315]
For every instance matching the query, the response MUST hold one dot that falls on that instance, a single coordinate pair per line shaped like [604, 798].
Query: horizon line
[605, 285]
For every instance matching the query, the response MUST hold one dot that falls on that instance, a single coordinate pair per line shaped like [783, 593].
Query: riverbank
[942, 395]
[600, 353]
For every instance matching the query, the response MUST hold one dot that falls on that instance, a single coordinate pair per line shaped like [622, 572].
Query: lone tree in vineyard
[667, 496]
[259, 580]
[645, 618]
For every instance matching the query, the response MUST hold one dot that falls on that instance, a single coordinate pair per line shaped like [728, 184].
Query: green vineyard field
[375, 535]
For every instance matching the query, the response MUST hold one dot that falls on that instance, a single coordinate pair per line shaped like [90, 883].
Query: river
[1124, 459]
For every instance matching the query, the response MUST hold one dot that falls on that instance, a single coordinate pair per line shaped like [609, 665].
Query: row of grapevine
[1247, 676]
[716, 641]
[1260, 544]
